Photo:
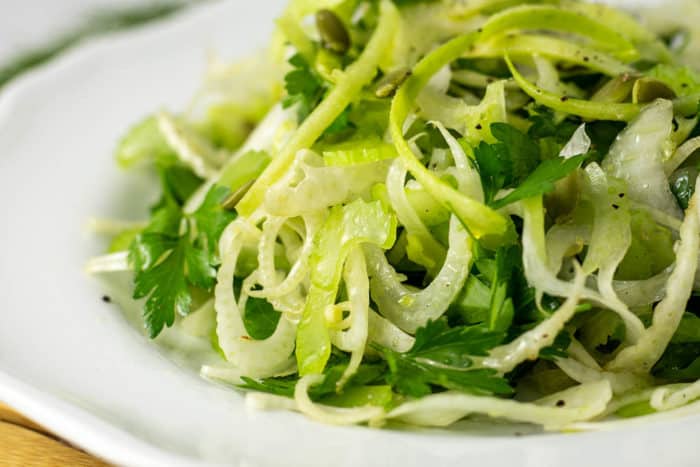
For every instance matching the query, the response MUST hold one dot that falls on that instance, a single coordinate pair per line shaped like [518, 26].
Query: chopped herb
[175, 252]
[305, 88]
[542, 180]
[442, 356]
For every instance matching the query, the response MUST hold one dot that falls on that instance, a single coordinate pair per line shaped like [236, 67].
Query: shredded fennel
[417, 212]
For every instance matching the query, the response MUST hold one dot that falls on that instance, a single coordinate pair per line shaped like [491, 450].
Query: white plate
[75, 365]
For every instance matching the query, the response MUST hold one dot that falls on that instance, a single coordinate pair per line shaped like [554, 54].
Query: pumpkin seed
[334, 36]
[388, 85]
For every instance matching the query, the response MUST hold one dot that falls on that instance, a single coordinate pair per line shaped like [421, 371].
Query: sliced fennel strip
[544, 280]
[353, 79]
[582, 402]
[256, 358]
[641, 356]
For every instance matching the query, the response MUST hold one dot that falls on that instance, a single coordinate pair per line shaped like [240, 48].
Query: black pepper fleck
[561, 403]
[478, 126]
[564, 98]
[106, 299]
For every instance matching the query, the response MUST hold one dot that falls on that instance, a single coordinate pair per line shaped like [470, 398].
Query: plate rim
[86, 430]
[76, 424]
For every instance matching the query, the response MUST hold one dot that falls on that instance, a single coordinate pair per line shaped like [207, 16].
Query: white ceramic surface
[74, 363]
[31, 23]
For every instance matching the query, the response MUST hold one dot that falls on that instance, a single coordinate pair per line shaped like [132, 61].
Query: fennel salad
[418, 211]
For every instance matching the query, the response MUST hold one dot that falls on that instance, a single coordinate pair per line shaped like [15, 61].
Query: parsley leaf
[603, 135]
[507, 162]
[367, 373]
[495, 290]
[305, 87]
[521, 150]
[164, 284]
[494, 168]
[211, 218]
[178, 184]
[441, 356]
[341, 123]
[501, 309]
[200, 271]
[689, 329]
[683, 185]
[679, 362]
[542, 180]
[177, 251]
[260, 318]
[522, 294]
[514, 162]
[559, 347]
[148, 248]
[283, 386]
[544, 125]
[550, 134]
[472, 305]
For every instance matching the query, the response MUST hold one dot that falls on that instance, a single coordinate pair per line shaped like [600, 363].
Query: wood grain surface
[23, 443]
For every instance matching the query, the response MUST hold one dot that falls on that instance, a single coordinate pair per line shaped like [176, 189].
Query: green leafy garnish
[367, 374]
[688, 330]
[507, 162]
[501, 310]
[559, 348]
[442, 356]
[176, 252]
[260, 318]
[515, 161]
[549, 132]
[375, 276]
[680, 362]
[542, 180]
[304, 86]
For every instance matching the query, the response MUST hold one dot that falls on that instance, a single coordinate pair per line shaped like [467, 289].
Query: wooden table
[23, 443]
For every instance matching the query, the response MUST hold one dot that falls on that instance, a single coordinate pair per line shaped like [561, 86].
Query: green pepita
[388, 85]
[334, 35]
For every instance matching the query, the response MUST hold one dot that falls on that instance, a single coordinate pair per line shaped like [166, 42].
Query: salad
[416, 211]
